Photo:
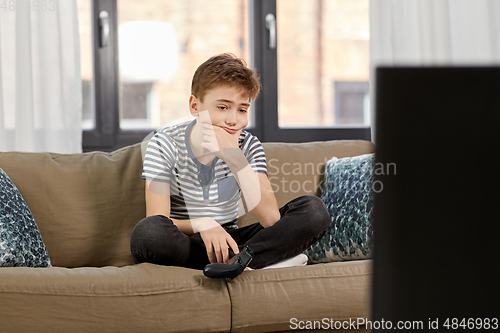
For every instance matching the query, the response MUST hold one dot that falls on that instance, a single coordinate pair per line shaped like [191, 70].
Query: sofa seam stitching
[301, 278]
[98, 295]
[230, 305]
[284, 322]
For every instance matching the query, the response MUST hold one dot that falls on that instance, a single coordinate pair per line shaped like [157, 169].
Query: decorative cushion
[347, 194]
[20, 241]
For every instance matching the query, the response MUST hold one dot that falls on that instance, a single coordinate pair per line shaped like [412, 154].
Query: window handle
[271, 26]
[103, 28]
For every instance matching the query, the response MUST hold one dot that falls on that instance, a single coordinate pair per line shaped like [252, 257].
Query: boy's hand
[216, 138]
[218, 241]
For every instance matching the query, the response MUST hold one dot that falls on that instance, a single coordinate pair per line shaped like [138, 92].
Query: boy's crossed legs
[303, 221]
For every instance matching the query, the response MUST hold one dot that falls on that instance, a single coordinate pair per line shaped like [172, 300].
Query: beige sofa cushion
[336, 291]
[85, 205]
[297, 169]
[137, 298]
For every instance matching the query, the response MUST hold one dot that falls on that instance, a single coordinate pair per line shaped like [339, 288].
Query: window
[85, 28]
[138, 59]
[161, 43]
[321, 46]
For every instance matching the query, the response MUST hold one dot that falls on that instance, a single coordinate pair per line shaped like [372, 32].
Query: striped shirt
[198, 190]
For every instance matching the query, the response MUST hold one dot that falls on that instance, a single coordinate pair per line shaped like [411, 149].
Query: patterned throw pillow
[347, 194]
[20, 241]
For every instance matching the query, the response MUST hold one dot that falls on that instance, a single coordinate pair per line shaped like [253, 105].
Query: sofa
[86, 205]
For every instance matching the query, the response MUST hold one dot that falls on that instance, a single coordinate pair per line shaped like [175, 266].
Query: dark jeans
[304, 220]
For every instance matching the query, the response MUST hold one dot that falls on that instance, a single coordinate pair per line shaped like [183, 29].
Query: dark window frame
[266, 106]
[108, 136]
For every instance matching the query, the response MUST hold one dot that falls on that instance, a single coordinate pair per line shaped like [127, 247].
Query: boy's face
[227, 107]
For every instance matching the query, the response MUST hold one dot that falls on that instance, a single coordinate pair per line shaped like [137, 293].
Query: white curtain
[433, 32]
[40, 79]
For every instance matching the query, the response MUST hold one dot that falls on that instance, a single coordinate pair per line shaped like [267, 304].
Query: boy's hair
[224, 69]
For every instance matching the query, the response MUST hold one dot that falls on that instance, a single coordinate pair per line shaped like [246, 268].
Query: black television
[436, 218]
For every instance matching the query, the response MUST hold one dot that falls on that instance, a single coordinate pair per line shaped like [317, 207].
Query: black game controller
[234, 267]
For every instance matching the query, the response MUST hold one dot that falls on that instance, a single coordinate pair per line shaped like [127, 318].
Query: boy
[201, 174]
